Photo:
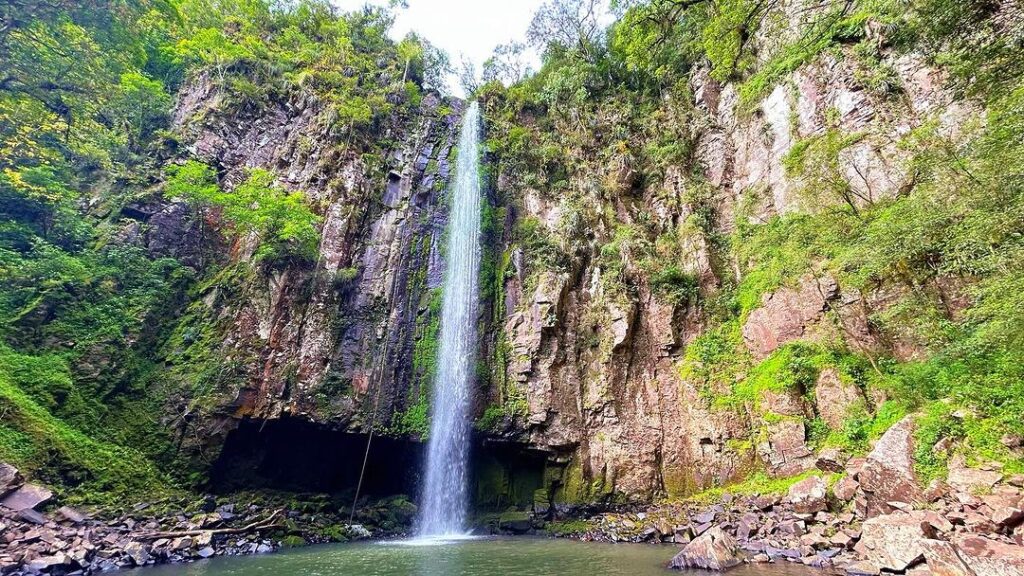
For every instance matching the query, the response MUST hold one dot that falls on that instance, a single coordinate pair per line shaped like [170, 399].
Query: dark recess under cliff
[295, 455]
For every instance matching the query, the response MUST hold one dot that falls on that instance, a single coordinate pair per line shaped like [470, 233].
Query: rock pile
[868, 519]
[61, 540]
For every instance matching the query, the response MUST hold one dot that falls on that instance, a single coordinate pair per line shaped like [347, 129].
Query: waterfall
[444, 502]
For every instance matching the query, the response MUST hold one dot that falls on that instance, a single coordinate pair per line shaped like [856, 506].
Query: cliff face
[630, 330]
[610, 388]
[327, 341]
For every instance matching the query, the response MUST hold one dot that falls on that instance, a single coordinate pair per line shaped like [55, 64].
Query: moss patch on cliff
[84, 467]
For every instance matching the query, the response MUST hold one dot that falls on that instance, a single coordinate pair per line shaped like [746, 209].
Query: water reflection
[477, 557]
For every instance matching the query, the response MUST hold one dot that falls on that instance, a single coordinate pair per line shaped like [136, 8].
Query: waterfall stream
[444, 502]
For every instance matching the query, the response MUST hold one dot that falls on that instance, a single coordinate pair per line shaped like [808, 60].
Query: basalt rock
[894, 542]
[888, 472]
[713, 550]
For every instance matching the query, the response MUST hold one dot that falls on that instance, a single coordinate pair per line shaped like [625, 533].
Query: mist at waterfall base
[444, 499]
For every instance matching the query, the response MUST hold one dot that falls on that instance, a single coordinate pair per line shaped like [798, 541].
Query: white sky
[461, 27]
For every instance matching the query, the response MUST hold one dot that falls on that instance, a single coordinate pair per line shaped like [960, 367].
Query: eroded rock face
[315, 340]
[597, 369]
[787, 314]
[835, 398]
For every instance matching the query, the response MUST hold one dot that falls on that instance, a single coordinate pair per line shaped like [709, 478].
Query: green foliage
[43, 445]
[281, 221]
[567, 528]
[715, 359]
[793, 367]
[758, 483]
[680, 288]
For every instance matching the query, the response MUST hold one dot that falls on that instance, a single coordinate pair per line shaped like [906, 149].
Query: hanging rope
[376, 399]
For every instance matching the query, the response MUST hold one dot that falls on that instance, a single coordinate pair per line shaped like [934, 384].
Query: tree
[569, 24]
[507, 64]
[467, 76]
[280, 220]
[408, 49]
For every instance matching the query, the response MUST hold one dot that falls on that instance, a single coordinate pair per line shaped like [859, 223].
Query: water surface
[485, 557]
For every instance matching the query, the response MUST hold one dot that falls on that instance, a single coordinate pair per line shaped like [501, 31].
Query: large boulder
[968, 479]
[944, 560]
[888, 472]
[896, 541]
[809, 495]
[26, 498]
[712, 550]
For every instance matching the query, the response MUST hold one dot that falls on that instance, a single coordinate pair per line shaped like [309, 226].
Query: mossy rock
[293, 542]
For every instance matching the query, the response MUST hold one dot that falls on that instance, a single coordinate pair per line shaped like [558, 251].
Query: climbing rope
[376, 400]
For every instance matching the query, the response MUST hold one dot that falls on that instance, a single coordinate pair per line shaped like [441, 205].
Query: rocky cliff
[332, 341]
[615, 351]
[665, 306]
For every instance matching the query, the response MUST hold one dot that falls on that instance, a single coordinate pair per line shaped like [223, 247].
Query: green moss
[293, 542]
[86, 469]
[568, 528]
[758, 483]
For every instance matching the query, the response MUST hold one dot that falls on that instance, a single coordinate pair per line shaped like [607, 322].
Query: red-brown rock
[990, 558]
[835, 398]
[713, 550]
[888, 472]
[845, 489]
[27, 497]
[809, 495]
[943, 559]
[10, 479]
[786, 314]
[895, 541]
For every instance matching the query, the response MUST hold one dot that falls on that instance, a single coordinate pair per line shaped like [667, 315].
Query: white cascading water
[444, 503]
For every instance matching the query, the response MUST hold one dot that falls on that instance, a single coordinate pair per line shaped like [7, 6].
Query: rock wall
[330, 341]
[601, 371]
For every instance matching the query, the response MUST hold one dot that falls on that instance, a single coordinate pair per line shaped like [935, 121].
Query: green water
[486, 557]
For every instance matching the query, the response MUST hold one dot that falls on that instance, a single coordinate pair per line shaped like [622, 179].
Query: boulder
[26, 497]
[888, 472]
[809, 495]
[1008, 516]
[831, 460]
[71, 514]
[713, 550]
[943, 559]
[990, 558]
[139, 553]
[845, 489]
[10, 479]
[47, 563]
[970, 479]
[894, 542]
